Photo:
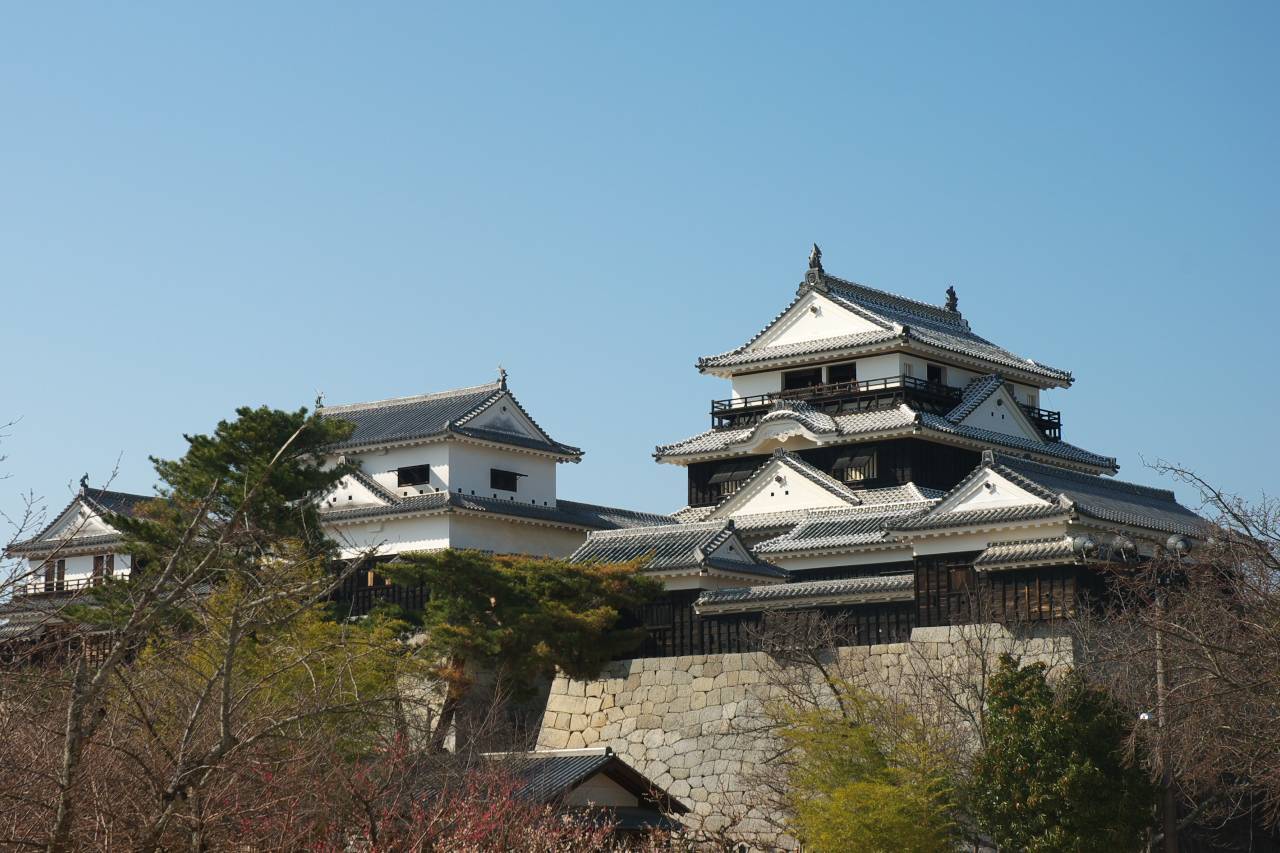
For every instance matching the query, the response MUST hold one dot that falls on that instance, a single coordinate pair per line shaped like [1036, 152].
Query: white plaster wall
[1026, 394]
[509, 537]
[997, 414]
[958, 544]
[392, 536]
[795, 492]
[469, 470]
[751, 384]
[76, 567]
[880, 366]
[802, 324]
[381, 465]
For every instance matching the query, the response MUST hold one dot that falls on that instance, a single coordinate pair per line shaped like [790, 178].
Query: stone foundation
[694, 724]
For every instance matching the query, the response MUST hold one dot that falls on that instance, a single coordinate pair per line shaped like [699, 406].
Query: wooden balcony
[839, 397]
[1048, 422]
[39, 585]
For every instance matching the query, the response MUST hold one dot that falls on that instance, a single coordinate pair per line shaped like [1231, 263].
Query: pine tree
[1054, 775]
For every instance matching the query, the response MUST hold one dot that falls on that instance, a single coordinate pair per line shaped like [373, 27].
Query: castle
[874, 459]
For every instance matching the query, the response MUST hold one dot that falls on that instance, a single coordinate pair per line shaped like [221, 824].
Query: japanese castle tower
[877, 458]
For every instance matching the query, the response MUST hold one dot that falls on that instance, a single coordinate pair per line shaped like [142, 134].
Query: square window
[505, 481]
[936, 374]
[794, 379]
[413, 475]
[847, 372]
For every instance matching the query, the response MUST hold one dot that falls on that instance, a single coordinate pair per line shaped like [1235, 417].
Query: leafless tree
[1190, 641]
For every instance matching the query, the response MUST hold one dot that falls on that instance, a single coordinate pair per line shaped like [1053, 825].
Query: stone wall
[694, 724]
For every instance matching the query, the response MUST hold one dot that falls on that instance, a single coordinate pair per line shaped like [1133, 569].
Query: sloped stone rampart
[692, 724]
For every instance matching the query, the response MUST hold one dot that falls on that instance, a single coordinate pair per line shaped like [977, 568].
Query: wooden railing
[740, 411]
[39, 585]
[1047, 421]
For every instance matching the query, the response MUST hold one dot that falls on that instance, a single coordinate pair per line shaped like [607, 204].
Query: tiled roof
[742, 355]
[898, 418]
[1068, 494]
[810, 593]
[853, 423]
[1025, 552]
[974, 395]
[843, 528]
[934, 325]
[103, 502]
[899, 317]
[671, 547]
[592, 516]
[1107, 499]
[548, 776]
[690, 514]
[28, 617]
[983, 517]
[374, 486]
[431, 415]
[758, 523]
[1056, 449]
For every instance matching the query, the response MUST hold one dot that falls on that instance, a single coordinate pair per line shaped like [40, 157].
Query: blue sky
[240, 204]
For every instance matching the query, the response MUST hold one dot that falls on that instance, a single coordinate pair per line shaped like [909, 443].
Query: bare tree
[1190, 643]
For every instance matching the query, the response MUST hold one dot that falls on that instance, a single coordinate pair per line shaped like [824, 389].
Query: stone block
[577, 688]
[566, 704]
[553, 739]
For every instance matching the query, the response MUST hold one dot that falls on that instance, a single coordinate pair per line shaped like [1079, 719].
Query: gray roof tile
[898, 418]
[899, 317]
[593, 516]
[432, 415]
[671, 547]
[810, 593]
[853, 423]
[843, 528]
[1025, 552]
[1069, 494]
[1107, 499]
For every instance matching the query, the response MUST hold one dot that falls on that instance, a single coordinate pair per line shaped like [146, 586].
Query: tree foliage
[1053, 775]
[866, 778]
[522, 617]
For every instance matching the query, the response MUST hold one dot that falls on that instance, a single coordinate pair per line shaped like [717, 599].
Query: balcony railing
[39, 585]
[1048, 422]
[837, 397]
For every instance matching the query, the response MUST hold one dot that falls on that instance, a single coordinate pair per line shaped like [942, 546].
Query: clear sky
[227, 204]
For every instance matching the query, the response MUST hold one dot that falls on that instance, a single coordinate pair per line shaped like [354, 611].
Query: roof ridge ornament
[502, 376]
[815, 273]
[84, 484]
[952, 301]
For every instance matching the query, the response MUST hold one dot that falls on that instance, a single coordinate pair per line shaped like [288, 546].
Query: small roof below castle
[852, 527]
[824, 593]
[470, 412]
[706, 546]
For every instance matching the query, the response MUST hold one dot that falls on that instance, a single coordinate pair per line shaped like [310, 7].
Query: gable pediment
[813, 317]
[78, 521]
[988, 490]
[1001, 413]
[780, 486]
[351, 491]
